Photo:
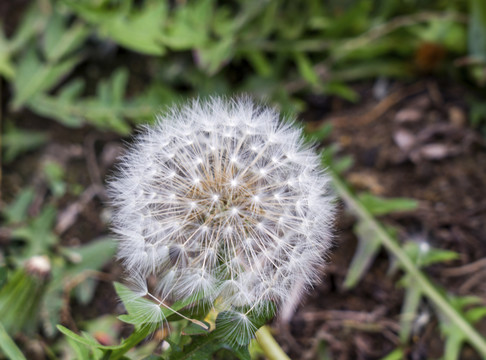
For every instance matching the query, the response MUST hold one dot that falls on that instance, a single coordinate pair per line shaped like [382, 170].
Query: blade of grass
[474, 338]
[8, 345]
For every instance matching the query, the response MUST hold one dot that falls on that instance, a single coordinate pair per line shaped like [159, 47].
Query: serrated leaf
[107, 110]
[17, 210]
[59, 40]
[92, 256]
[32, 22]
[36, 77]
[379, 206]
[17, 141]
[190, 26]
[38, 233]
[140, 30]
[368, 247]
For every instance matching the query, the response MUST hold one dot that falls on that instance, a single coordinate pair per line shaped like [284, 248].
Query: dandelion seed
[222, 199]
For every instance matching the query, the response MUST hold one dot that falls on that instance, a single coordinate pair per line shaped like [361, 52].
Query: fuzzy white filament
[223, 200]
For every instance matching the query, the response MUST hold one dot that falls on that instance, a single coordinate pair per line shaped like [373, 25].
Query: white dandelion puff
[221, 199]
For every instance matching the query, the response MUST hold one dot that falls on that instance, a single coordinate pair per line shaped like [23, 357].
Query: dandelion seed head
[222, 198]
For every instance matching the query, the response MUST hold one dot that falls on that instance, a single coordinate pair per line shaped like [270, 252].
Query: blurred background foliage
[157, 52]
[110, 65]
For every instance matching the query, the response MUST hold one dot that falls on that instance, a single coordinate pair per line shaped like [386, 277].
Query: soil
[415, 143]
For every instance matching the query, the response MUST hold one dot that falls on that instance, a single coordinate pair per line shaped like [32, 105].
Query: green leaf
[396, 354]
[54, 173]
[320, 133]
[477, 29]
[32, 22]
[204, 346]
[342, 90]
[3, 276]
[17, 141]
[80, 350]
[212, 57]
[422, 254]
[91, 256]
[305, 69]
[260, 63]
[35, 77]
[7, 68]
[343, 163]
[368, 247]
[39, 232]
[8, 346]
[380, 206]
[194, 329]
[107, 110]
[190, 26]
[17, 211]
[455, 336]
[19, 302]
[413, 294]
[59, 41]
[140, 30]
[88, 341]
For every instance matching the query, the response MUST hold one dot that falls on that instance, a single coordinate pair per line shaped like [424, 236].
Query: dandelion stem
[472, 336]
[270, 347]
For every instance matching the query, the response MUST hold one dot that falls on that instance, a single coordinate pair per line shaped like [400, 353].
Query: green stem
[474, 338]
[136, 337]
[270, 347]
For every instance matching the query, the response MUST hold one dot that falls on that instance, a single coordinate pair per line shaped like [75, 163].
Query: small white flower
[222, 199]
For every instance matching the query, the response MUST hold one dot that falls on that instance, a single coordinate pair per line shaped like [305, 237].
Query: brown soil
[415, 143]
